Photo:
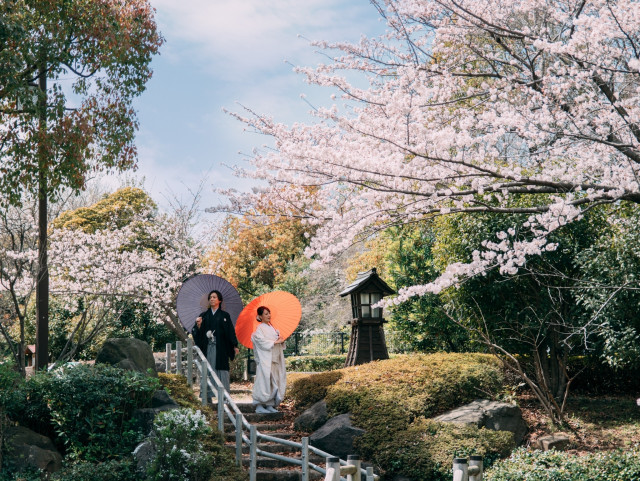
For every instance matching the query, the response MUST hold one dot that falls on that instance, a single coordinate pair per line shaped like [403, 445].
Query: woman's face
[265, 316]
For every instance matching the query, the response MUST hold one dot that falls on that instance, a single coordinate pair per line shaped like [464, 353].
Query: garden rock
[312, 418]
[144, 454]
[162, 398]
[26, 448]
[161, 366]
[128, 353]
[336, 436]
[143, 418]
[557, 441]
[494, 415]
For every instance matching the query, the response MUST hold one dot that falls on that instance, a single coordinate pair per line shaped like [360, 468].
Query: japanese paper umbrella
[285, 315]
[193, 298]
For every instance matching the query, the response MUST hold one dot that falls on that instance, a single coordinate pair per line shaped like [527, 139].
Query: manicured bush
[391, 400]
[553, 465]
[425, 450]
[315, 363]
[310, 389]
[88, 408]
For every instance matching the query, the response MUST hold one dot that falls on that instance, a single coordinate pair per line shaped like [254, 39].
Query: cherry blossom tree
[466, 106]
[94, 272]
[142, 261]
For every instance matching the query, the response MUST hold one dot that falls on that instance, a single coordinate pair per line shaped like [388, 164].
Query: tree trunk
[42, 279]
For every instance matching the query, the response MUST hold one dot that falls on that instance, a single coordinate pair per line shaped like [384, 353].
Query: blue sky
[221, 53]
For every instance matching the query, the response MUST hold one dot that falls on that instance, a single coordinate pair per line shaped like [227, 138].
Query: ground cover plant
[552, 465]
[393, 399]
[224, 468]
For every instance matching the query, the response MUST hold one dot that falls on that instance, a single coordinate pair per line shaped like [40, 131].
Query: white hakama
[271, 378]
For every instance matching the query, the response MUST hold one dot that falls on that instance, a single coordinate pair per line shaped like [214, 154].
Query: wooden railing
[470, 470]
[196, 363]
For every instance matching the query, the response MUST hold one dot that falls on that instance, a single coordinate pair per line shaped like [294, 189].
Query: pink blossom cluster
[145, 261]
[465, 106]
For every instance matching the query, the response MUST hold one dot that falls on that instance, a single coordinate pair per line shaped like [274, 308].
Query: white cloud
[238, 37]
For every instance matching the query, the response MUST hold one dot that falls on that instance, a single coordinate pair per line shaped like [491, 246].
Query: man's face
[213, 300]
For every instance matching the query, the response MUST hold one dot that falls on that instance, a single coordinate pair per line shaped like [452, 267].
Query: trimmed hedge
[308, 390]
[315, 363]
[391, 400]
[553, 465]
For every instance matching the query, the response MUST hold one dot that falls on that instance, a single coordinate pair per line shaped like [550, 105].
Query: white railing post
[238, 439]
[168, 359]
[354, 461]
[178, 357]
[475, 468]
[203, 383]
[333, 469]
[221, 409]
[305, 458]
[189, 362]
[253, 461]
[370, 476]
[460, 469]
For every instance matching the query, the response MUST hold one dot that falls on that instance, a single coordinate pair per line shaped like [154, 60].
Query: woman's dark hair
[261, 310]
[218, 293]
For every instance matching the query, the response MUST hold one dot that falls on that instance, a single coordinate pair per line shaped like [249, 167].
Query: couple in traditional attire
[215, 335]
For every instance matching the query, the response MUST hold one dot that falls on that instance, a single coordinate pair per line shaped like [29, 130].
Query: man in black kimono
[215, 332]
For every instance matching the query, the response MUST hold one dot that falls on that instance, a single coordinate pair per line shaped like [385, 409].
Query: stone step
[285, 475]
[264, 462]
[269, 447]
[231, 435]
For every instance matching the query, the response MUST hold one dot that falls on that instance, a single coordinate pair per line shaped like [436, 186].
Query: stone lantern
[367, 333]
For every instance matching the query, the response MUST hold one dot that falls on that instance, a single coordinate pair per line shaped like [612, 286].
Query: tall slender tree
[70, 70]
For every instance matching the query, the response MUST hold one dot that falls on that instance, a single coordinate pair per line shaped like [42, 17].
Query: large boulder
[336, 436]
[28, 449]
[494, 415]
[162, 398]
[312, 418]
[128, 353]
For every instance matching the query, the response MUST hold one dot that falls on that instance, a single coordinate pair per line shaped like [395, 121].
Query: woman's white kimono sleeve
[271, 380]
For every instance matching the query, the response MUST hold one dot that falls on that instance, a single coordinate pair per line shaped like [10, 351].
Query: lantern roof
[368, 281]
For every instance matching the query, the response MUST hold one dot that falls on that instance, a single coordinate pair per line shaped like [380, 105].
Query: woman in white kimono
[271, 378]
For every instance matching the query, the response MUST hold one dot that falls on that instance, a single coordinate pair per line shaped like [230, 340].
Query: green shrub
[315, 363]
[178, 436]
[114, 470]
[88, 408]
[425, 450]
[391, 400]
[311, 389]
[554, 465]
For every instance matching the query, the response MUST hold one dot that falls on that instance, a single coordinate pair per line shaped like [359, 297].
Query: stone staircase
[277, 425]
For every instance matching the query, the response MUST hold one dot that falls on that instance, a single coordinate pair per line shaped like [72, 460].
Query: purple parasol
[193, 298]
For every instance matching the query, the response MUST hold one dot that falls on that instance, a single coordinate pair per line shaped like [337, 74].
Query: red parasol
[285, 315]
